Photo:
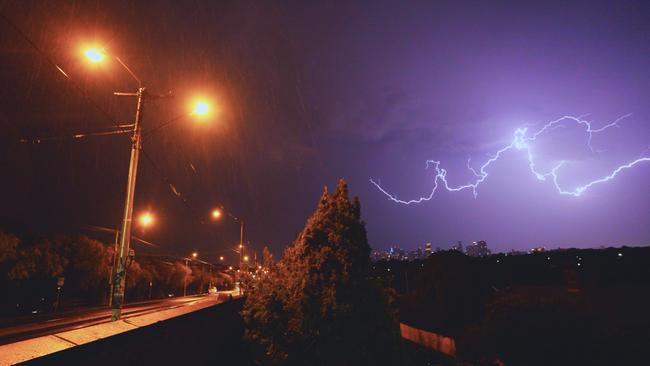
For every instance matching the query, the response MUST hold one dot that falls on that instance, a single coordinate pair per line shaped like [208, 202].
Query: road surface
[27, 327]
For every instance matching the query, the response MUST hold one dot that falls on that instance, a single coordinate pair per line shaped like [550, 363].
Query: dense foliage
[29, 273]
[318, 305]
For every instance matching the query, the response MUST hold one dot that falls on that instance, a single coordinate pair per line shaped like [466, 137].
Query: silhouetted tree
[318, 305]
[88, 269]
[40, 261]
[8, 246]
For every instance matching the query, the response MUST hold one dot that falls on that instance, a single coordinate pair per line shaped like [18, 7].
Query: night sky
[311, 92]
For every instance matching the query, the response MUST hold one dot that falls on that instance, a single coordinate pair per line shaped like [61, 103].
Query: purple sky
[444, 82]
[314, 92]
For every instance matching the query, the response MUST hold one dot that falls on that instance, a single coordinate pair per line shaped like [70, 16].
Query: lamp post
[185, 278]
[241, 240]
[119, 276]
[216, 214]
[125, 240]
[194, 255]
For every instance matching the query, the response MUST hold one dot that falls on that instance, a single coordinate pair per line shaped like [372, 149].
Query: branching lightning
[522, 142]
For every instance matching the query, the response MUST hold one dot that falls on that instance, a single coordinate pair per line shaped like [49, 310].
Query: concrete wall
[429, 340]
[209, 336]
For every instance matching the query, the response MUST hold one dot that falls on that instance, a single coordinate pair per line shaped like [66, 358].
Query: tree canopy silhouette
[318, 305]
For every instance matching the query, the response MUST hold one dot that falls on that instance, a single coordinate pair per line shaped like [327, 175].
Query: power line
[76, 136]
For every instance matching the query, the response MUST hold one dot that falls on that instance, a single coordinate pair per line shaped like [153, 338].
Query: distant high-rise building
[427, 250]
[396, 253]
[458, 247]
[412, 255]
[516, 252]
[375, 255]
[478, 249]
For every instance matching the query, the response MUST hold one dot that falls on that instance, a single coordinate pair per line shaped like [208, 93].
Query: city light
[216, 214]
[245, 258]
[94, 55]
[221, 258]
[195, 254]
[146, 219]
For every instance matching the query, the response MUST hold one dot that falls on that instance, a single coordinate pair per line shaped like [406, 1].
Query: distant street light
[217, 213]
[194, 255]
[97, 55]
[221, 258]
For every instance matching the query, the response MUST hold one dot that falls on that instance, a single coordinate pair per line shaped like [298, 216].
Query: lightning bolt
[522, 142]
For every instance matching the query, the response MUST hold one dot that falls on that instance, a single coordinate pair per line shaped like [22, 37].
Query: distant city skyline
[410, 249]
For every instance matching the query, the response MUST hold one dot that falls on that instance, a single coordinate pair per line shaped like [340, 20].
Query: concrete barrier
[44, 345]
[442, 344]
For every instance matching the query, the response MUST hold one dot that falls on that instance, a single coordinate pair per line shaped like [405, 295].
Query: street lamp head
[201, 108]
[221, 258]
[216, 214]
[146, 219]
[94, 55]
[195, 254]
[245, 258]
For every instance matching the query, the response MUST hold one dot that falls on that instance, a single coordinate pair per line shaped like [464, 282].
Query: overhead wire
[76, 136]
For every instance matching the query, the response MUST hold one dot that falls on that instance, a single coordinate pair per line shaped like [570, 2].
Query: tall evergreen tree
[318, 305]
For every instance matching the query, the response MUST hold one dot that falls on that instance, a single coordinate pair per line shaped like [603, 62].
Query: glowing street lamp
[221, 258]
[216, 214]
[245, 258]
[195, 254]
[201, 108]
[146, 219]
[94, 55]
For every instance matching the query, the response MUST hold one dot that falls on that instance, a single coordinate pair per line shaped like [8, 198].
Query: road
[26, 327]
